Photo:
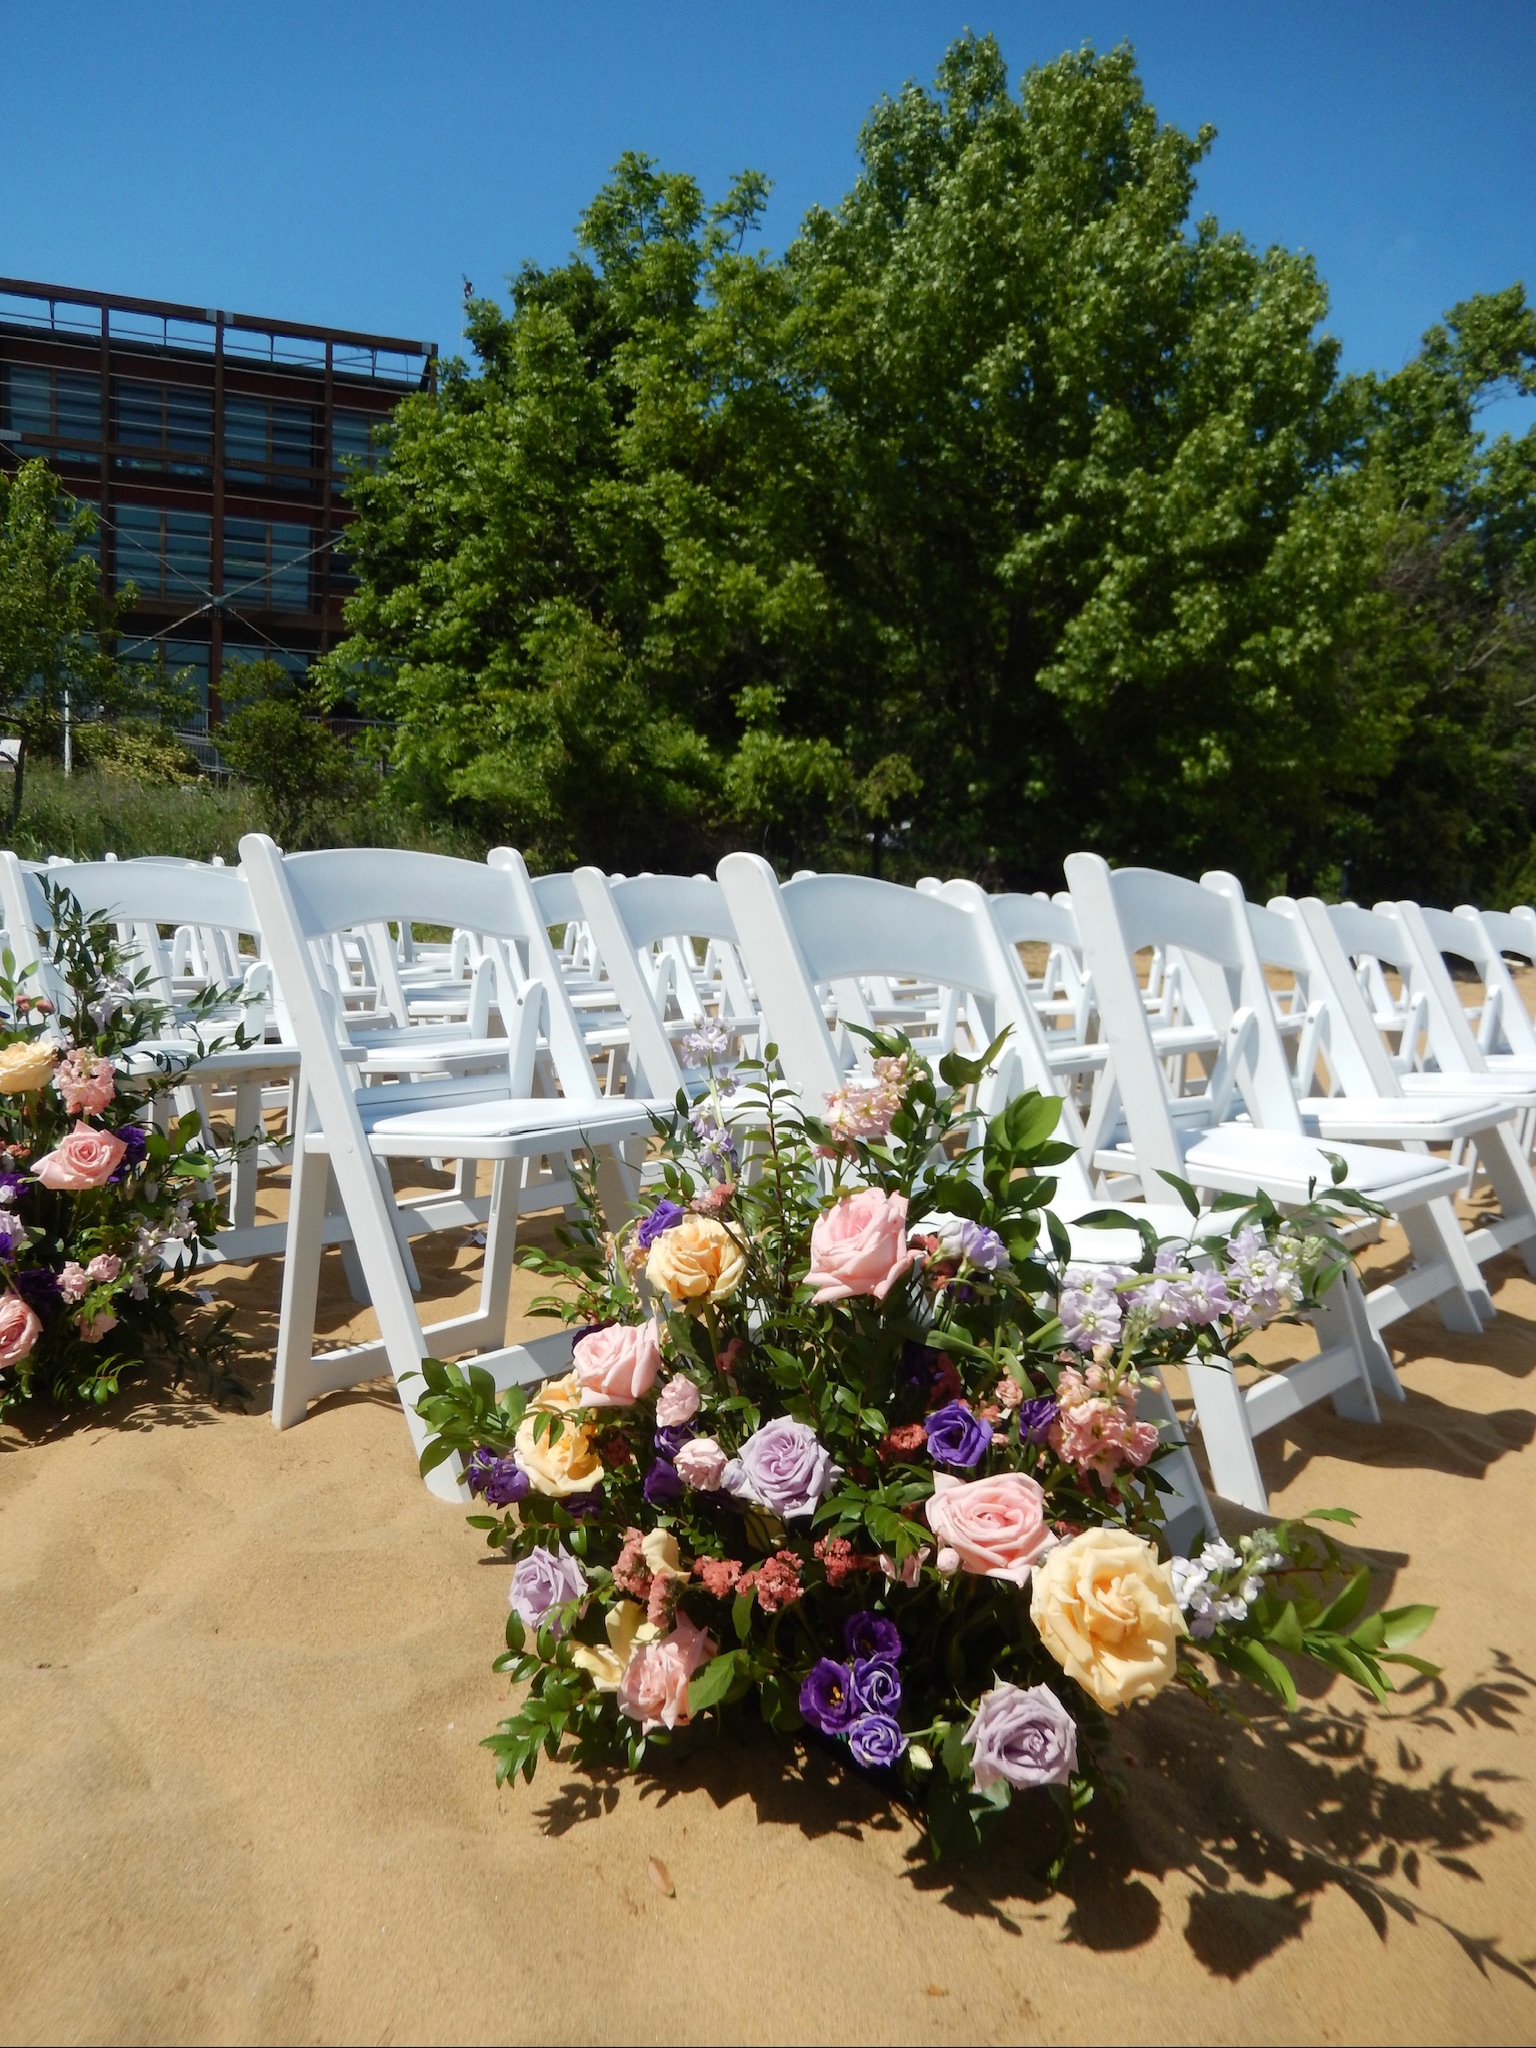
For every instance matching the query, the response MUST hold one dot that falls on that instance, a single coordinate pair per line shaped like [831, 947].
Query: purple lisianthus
[579, 1505]
[870, 1635]
[876, 1741]
[133, 1137]
[38, 1287]
[665, 1216]
[12, 1187]
[662, 1483]
[981, 1247]
[826, 1696]
[876, 1685]
[500, 1482]
[1035, 1419]
[956, 1436]
[543, 1581]
[12, 1232]
[671, 1440]
[783, 1467]
[1023, 1734]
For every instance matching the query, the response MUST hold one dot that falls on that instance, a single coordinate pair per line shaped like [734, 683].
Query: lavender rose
[543, 1581]
[956, 1436]
[1023, 1734]
[665, 1216]
[870, 1635]
[500, 1482]
[876, 1686]
[782, 1467]
[826, 1697]
[876, 1741]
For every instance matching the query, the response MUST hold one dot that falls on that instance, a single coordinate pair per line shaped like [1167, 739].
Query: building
[214, 449]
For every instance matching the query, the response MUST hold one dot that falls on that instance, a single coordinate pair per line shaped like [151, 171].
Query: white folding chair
[826, 929]
[352, 1133]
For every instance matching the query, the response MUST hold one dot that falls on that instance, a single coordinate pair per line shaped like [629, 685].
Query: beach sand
[246, 1676]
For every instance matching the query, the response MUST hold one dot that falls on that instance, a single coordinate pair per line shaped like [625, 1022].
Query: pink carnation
[103, 1269]
[94, 1328]
[73, 1281]
[677, 1402]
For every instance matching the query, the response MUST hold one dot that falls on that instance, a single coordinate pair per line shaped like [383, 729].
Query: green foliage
[133, 750]
[52, 611]
[306, 782]
[87, 815]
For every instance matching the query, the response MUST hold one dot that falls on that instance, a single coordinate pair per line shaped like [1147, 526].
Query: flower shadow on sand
[1260, 1817]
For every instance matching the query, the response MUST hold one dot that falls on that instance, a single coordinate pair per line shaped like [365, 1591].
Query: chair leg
[1434, 1234]
[1228, 1439]
[1186, 1510]
[301, 1286]
[245, 1165]
[1341, 1318]
[500, 1248]
[1509, 1174]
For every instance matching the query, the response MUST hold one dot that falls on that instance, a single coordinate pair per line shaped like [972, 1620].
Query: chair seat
[1514, 1086]
[1240, 1160]
[1429, 1119]
[504, 1128]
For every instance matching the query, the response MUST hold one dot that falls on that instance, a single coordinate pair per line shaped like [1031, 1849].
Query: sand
[245, 1676]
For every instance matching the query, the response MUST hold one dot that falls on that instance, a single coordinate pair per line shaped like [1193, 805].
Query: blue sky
[350, 163]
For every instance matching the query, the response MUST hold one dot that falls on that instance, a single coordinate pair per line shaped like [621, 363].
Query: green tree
[53, 616]
[309, 788]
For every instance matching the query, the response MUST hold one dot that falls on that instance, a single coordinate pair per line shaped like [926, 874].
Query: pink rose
[94, 1328]
[103, 1269]
[997, 1525]
[85, 1159]
[617, 1365]
[19, 1329]
[73, 1280]
[700, 1463]
[679, 1402]
[859, 1246]
[654, 1688]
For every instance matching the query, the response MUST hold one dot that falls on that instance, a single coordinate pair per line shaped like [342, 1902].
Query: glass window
[263, 439]
[245, 438]
[164, 426]
[266, 568]
[186, 659]
[47, 406]
[343, 575]
[167, 554]
[352, 442]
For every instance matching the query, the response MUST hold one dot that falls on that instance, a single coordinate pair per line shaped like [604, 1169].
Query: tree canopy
[1011, 509]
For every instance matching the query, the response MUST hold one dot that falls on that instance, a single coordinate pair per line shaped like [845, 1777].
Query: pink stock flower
[677, 1402]
[859, 1247]
[73, 1281]
[616, 1365]
[997, 1524]
[19, 1329]
[86, 1082]
[87, 1158]
[654, 1688]
[1096, 1431]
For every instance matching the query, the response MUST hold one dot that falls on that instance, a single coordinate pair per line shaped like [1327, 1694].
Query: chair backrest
[1451, 1037]
[139, 895]
[834, 928]
[1120, 912]
[1468, 934]
[1035, 920]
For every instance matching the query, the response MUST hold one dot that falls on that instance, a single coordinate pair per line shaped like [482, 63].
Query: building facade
[214, 448]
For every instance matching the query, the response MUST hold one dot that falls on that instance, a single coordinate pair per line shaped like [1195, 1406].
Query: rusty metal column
[105, 529]
[216, 539]
[327, 527]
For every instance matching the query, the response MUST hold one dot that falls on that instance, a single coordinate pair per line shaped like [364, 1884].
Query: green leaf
[713, 1681]
[1342, 1610]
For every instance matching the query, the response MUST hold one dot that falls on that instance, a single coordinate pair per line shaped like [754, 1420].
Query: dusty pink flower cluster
[631, 1574]
[1096, 1429]
[719, 1574]
[839, 1559]
[776, 1581]
[864, 1109]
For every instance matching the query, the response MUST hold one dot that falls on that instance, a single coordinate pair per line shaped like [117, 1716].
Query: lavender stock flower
[826, 1697]
[956, 1436]
[981, 1247]
[876, 1741]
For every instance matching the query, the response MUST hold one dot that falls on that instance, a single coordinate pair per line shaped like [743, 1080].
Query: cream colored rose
[607, 1663]
[568, 1464]
[1105, 1609]
[26, 1066]
[697, 1261]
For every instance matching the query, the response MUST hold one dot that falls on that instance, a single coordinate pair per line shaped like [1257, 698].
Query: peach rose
[568, 1464]
[996, 1525]
[697, 1261]
[606, 1663]
[26, 1066]
[617, 1365]
[1104, 1607]
[19, 1328]
[85, 1159]
[654, 1688]
[859, 1246]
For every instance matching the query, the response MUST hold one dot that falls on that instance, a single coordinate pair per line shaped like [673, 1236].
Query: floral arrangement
[848, 1443]
[104, 1195]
